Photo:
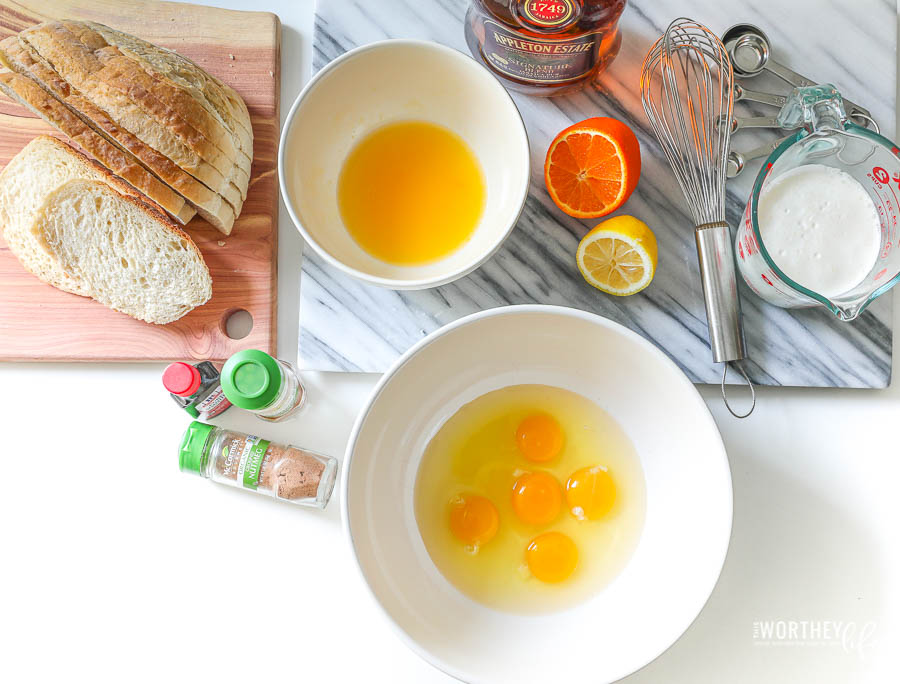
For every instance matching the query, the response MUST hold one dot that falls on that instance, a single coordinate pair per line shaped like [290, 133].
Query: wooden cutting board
[243, 49]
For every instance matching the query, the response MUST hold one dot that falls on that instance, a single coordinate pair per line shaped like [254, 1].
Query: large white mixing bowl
[689, 501]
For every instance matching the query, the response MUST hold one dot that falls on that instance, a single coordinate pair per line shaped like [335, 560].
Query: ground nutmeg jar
[283, 472]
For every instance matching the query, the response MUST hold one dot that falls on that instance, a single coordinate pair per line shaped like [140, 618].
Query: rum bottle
[544, 48]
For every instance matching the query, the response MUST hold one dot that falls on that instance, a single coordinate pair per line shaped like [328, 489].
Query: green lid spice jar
[268, 387]
[234, 458]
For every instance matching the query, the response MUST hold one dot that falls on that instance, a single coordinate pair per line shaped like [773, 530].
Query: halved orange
[592, 167]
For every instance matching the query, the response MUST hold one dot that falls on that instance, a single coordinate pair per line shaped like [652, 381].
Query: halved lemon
[618, 256]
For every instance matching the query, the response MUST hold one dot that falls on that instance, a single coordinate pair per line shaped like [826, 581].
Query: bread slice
[212, 94]
[40, 167]
[110, 91]
[195, 111]
[31, 95]
[211, 206]
[132, 258]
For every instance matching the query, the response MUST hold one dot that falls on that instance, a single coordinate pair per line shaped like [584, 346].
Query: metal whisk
[687, 90]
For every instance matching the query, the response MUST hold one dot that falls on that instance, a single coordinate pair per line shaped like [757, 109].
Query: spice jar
[268, 387]
[280, 471]
[196, 389]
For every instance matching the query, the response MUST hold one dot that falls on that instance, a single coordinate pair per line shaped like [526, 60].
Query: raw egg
[539, 437]
[552, 557]
[473, 519]
[590, 493]
[536, 498]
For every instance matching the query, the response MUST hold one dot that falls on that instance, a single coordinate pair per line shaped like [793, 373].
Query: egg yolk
[473, 519]
[590, 493]
[551, 557]
[536, 498]
[539, 437]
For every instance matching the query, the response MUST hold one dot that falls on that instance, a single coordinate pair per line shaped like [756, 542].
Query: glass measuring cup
[826, 137]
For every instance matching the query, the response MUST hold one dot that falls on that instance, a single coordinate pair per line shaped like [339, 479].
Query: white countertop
[118, 568]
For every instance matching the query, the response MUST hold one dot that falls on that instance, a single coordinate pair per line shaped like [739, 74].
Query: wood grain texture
[243, 49]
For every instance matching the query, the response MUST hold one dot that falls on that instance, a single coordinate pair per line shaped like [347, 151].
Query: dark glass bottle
[541, 47]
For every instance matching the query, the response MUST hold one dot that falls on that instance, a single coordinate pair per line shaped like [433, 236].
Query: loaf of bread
[184, 137]
[131, 258]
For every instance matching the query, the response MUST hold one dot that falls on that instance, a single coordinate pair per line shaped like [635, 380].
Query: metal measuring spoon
[739, 122]
[742, 93]
[749, 49]
[737, 161]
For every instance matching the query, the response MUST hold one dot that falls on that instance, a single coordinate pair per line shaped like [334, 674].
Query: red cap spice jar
[196, 389]
[283, 472]
[270, 388]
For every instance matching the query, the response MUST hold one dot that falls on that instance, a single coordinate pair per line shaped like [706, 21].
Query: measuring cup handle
[723, 308]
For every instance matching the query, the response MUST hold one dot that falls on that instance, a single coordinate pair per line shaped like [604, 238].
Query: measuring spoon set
[750, 51]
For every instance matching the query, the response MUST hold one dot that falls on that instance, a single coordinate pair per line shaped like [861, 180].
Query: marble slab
[348, 326]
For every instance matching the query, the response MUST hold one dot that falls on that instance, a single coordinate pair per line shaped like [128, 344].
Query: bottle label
[537, 60]
[251, 460]
[548, 14]
[214, 404]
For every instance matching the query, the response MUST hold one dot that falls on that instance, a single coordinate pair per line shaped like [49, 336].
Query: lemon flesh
[618, 256]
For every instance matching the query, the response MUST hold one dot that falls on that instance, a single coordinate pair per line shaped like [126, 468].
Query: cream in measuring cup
[820, 228]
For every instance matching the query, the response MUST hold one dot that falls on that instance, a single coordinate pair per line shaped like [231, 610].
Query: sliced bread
[124, 94]
[40, 167]
[204, 172]
[206, 89]
[181, 103]
[211, 206]
[27, 92]
[132, 258]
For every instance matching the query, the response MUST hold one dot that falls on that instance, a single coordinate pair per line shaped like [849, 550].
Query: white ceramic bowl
[388, 81]
[689, 501]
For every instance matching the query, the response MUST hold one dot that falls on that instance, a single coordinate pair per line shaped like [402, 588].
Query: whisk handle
[723, 308]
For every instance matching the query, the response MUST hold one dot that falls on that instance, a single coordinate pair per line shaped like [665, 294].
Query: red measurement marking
[880, 174]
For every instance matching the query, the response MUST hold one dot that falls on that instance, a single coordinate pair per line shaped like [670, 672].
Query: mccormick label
[536, 60]
[251, 460]
[214, 404]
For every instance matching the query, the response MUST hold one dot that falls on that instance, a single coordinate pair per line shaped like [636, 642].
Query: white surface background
[116, 567]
